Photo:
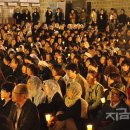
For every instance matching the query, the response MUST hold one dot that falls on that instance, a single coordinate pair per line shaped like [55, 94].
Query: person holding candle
[53, 101]
[74, 112]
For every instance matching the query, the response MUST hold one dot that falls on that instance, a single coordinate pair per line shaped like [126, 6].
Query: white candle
[103, 100]
[89, 127]
[48, 117]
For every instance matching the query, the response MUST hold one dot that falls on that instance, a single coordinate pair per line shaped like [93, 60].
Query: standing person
[49, 15]
[72, 16]
[24, 114]
[27, 16]
[93, 17]
[102, 20]
[83, 17]
[35, 16]
[58, 15]
[17, 16]
[122, 18]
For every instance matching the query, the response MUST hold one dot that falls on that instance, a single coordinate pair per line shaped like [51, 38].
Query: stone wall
[77, 4]
[108, 4]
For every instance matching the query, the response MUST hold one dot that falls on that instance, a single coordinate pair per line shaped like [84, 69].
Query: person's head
[27, 49]
[12, 79]
[28, 59]
[112, 60]
[5, 123]
[6, 90]
[57, 70]
[114, 78]
[6, 60]
[125, 65]
[51, 87]
[74, 90]
[116, 95]
[77, 59]
[32, 70]
[20, 93]
[34, 84]
[103, 60]
[122, 11]
[72, 70]
[91, 77]
[110, 69]
[14, 63]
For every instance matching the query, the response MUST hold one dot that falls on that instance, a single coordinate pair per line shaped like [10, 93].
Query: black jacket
[5, 109]
[29, 117]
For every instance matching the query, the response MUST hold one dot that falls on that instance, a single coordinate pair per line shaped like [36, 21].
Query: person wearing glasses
[24, 113]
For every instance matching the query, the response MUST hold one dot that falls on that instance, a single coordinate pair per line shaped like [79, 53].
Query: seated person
[111, 116]
[6, 94]
[74, 113]
[94, 93]
[53, 102]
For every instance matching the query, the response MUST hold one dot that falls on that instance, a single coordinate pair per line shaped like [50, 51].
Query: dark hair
[46, 74]
[73, 67]
[126, 62]
[111, 69]
[113, 59]
[12, 79]
[5, 123]
[115, 76]
[78, 57]
[59, 70]
[7, 58]
[7, 86]
[33, 68]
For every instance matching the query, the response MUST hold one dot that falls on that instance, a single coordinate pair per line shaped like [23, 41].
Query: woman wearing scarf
[74, 113]
[54, 101]
[36, 94]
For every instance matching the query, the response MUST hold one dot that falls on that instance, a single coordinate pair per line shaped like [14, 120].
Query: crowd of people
[64, 70]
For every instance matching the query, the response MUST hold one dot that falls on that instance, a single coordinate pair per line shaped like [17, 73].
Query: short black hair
[73, 67]
[7, 86]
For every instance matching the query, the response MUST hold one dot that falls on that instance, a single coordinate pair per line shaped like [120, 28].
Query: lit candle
[89, 127]
[103, 100]
[48, 117]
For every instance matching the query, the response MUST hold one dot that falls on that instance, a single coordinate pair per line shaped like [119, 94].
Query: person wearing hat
[112, 111]
[6, 102]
